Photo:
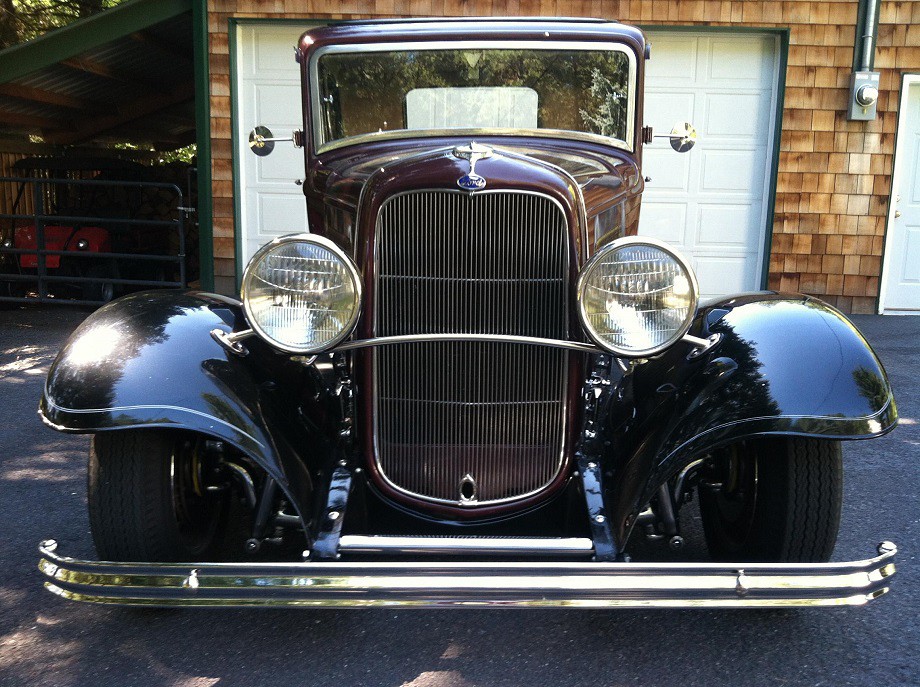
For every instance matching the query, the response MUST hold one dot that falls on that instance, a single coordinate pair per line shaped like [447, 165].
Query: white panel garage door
[713, 201]
[268, 93]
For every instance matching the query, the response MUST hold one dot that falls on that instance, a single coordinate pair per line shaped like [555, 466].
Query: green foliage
[21, 20]
[608, 116]
[159, 157]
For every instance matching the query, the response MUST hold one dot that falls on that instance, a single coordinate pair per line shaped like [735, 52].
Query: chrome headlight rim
[637, 241]
[333, 248]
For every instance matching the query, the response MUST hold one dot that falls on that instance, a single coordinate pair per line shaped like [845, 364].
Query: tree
[21, 20]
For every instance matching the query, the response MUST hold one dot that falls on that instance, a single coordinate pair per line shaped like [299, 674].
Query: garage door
[714, 201]
[268, 93]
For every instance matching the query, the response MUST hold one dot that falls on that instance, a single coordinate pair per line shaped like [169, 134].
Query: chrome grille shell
[447, 412]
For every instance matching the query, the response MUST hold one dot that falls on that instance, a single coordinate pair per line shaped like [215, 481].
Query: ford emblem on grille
[471, 182]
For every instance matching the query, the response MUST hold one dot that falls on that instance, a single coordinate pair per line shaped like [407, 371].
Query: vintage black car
[472, 383]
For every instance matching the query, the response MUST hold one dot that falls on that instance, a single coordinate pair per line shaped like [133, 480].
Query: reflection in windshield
[376, 92]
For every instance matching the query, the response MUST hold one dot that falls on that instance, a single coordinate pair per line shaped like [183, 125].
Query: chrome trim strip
[464, 546]
[496, 338]
[492, 584]
[118, 409]
[316, 117]
[826, 418]
[407, 134]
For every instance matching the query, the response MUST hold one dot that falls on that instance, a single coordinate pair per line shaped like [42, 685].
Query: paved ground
[45, 641]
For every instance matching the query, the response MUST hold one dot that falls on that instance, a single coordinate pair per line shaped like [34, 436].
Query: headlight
[302, 293]
[636, 297]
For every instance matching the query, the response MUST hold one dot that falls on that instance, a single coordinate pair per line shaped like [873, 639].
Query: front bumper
[470, 584]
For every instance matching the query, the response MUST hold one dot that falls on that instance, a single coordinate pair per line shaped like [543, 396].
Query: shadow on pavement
[46, 641]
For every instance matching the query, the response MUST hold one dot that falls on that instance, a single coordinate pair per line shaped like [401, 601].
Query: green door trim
[203, 136]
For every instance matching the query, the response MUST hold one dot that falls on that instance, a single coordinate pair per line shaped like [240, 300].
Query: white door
[713, 202]
[900, 290]
[267, 92]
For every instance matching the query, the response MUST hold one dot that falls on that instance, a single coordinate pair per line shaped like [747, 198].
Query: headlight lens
[302, 293]
[637, 296]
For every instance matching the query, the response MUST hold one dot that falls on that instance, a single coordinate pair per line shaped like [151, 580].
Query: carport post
[203, 140]
[38, 213]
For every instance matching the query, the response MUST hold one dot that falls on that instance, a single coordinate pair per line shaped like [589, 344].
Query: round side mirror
[261, 141]
[683, 137]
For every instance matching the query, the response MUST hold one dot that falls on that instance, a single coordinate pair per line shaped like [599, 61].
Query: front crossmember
[470, 584]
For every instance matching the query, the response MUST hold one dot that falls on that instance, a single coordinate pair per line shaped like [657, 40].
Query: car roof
[532, 29]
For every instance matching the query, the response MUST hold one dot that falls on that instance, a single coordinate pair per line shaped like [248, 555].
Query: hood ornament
[473, 153]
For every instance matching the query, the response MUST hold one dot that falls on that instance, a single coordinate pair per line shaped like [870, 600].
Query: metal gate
[53, 250]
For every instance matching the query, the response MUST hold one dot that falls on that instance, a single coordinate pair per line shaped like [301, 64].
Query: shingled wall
[834, 176]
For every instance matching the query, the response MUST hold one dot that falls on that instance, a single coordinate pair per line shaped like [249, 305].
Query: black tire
[7, 290]
[101, 291]
[10, 288]
[779, 501]
[141, 509]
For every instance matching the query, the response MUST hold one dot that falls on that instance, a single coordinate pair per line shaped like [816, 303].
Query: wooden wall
[9, 189]
[834, 175]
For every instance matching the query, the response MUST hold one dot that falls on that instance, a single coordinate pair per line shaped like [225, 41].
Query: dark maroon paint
[585, 178]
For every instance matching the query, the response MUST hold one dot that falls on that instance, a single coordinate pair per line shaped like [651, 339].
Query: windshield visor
[388, 91]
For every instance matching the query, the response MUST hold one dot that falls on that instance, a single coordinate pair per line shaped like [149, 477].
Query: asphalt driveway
[46, 641]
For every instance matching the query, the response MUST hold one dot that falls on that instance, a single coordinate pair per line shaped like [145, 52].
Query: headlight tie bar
[231, 341]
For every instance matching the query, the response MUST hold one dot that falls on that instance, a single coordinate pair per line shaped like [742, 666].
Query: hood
[601, 176]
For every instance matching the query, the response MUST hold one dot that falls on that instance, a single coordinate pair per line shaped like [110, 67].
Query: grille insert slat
[492, 263]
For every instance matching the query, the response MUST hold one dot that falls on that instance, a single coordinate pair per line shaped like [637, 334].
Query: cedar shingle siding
[834, 176]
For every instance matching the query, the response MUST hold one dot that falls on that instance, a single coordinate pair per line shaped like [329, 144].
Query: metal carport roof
[124, 75]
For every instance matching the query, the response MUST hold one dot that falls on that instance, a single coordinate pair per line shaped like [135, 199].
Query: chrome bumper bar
[476, 584]
[546, 547]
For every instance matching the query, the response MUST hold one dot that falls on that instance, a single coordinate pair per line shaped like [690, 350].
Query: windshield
[579, 88]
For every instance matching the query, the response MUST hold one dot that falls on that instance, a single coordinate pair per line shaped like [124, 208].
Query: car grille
[470, 422]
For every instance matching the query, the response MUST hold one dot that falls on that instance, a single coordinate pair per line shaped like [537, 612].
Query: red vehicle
[59, 238]
[71, 211]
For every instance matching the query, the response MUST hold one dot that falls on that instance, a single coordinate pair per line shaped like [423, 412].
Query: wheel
[147, 501]
[8, 287]
[103, 291]
[773, 500]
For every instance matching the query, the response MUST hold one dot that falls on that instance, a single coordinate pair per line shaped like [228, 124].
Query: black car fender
[785, 364]
[148, 360]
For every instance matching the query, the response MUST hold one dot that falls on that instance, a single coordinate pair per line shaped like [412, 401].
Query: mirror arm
[262, 142]
[296, 138]
[682, 136]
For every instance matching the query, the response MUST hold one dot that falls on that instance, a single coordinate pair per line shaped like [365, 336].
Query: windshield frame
[315, 116]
